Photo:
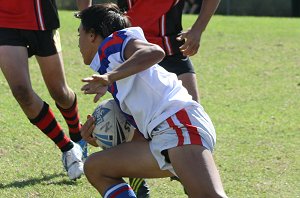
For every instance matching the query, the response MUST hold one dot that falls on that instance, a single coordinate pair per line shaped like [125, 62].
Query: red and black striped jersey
[29, 14]
[160, 21]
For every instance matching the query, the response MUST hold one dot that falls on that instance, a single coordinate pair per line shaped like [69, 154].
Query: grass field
[249, 77]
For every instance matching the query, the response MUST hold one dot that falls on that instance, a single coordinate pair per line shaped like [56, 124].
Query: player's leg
[14, 65]
[191, 137]
[184, 69]
[133, 159]
[51, 64]
[52, 67]
[189, 81]
[139, 185]
[197, 171]
[65, 98]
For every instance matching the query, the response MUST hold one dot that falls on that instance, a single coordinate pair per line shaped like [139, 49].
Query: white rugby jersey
[148, 97]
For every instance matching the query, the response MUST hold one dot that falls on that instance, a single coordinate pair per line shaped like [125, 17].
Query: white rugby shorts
[190, 125]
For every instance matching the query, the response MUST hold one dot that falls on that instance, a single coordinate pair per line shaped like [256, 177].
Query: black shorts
[40, 43]
[177, 64]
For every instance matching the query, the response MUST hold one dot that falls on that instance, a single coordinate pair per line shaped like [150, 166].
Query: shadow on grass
[45, 180]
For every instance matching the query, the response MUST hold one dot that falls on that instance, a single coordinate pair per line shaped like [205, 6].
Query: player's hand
[87, 130]
[96, 84]
[191, 40]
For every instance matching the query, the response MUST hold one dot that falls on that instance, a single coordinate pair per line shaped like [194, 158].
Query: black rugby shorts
[177, 64]
[40, 43]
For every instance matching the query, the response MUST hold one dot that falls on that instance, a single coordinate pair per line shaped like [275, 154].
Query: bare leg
[189, 81]
[133, 159]
[53, 73]
[14, 65]
[197, 171]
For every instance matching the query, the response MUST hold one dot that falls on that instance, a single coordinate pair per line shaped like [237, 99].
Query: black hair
[103, 19]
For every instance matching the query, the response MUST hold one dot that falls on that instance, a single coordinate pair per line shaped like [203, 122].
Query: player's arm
[192, 37]
[83, 4]
[208, 9]
[139, 56]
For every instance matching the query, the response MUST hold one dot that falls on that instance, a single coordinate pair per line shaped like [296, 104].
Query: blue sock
[122, 190]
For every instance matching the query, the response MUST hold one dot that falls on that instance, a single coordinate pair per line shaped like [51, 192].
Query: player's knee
[217, 194]
[88, 166]
[60, 95]
[211, 191]
[92, 167]
[23, 94]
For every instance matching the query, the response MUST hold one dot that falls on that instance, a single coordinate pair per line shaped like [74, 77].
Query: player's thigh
[14, 65]
[130, 159]
[50, 60]
[196, 169]
[189, 81]
[53, 71]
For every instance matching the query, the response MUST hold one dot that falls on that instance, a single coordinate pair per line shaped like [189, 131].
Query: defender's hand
[192, 42]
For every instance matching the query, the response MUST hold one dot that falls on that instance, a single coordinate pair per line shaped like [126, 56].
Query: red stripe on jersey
[183, 117]
[112, 88]
[114, 40]
[178, 131]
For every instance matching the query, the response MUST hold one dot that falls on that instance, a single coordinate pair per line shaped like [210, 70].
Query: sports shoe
[72, 161]
[83, 144]
[140, 187]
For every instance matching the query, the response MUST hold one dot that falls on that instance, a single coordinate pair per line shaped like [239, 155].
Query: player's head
[103, 19]
[97, 23]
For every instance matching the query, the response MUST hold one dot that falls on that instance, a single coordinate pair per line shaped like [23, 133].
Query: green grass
[249, 77]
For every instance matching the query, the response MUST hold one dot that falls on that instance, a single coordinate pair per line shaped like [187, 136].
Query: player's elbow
[158, 52]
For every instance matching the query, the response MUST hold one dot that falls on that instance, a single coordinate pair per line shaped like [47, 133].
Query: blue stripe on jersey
[111, 45]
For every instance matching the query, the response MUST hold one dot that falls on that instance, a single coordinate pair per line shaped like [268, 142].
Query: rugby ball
[111, 125]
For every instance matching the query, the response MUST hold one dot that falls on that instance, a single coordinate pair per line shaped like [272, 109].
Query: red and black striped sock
[47, 123]
[71, 116]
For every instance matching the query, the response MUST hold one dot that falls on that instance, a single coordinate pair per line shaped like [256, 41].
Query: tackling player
[28, 28]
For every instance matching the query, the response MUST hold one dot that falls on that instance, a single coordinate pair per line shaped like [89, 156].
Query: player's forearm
[141, 60]
[83, 4]
[208, 9]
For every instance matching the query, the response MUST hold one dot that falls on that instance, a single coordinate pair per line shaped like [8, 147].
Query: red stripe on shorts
[178, 131]
[184, 119]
